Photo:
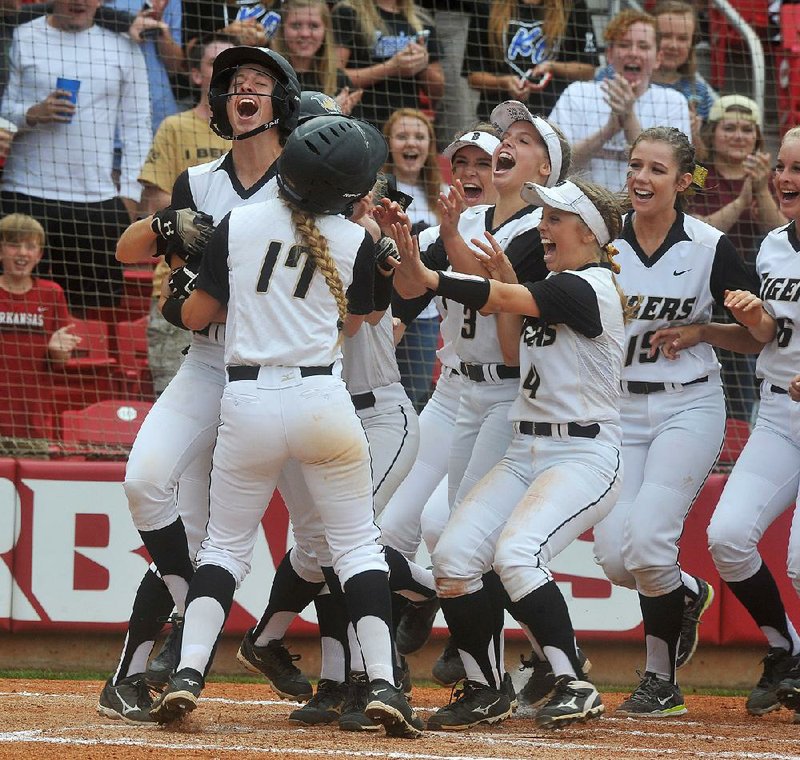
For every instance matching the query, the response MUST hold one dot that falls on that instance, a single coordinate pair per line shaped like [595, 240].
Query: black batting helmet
[285, 94]
[314, 103]
[329, 162]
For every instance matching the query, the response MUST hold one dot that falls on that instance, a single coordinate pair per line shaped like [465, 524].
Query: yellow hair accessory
[699, 175]
[611, 251]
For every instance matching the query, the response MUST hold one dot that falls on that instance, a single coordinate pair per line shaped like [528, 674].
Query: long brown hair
[431, 178]
[554, 26]
[325, 63]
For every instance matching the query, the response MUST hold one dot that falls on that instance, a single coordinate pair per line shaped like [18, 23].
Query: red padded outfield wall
[72, 560]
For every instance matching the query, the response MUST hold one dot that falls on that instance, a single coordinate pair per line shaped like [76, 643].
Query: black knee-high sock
[474, 629]
[662, 617]
[761, 598]
[169, 550]
[218, 584]
[152, 604]
[332, 619]
[500, 603]
[545, 613]
[401, 577]
[289, 593]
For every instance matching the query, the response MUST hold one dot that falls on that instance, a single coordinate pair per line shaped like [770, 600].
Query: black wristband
[382, 291]
[468, 289]
[171, 311]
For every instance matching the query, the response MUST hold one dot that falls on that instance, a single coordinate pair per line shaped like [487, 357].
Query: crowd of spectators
[104, 105]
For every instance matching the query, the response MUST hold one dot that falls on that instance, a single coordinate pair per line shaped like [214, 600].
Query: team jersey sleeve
[213, 275]
[728, 272]
[526, 256]
[435, 256]
[181, 198]
[360, 298]
[568, 299]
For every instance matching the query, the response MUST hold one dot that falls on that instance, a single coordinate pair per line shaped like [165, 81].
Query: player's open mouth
[246, 107]
[549, 249]
[505, 162]
[787, 196]
[644, 195]
[471, 191]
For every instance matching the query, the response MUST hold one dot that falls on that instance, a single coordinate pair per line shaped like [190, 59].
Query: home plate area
[58, 719]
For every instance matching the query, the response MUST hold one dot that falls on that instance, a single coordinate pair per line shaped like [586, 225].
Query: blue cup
[71, 86]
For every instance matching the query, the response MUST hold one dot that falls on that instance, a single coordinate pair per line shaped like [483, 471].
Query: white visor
[483, 140]
[509, 111]
[567, 196]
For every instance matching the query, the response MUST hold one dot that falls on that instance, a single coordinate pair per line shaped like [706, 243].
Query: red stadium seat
[138, 293]
[736, 434]
[131, 340]
[104, 427]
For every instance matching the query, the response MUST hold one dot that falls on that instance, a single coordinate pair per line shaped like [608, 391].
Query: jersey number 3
[296, 252]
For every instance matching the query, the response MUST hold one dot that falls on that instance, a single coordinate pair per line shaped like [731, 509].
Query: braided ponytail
[316, 244]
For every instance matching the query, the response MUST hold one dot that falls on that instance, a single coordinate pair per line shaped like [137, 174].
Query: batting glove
[182, 282]
[192, 228]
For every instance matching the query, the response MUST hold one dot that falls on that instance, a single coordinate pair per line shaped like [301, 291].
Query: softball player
[562, 470]
[674, 268]
[254, 99]
[287, 380]
[765, 479]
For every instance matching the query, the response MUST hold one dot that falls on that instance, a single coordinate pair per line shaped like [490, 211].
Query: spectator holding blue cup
[68, 88]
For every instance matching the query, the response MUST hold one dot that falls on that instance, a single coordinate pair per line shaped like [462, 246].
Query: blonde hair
[370, 21]
[316, 244]
[325, 63]
[16, 228]
[556, 15]
[431, 176]
[791, 134]
[609, 206]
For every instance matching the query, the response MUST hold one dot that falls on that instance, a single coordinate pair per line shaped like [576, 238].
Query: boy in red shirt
[35, 331]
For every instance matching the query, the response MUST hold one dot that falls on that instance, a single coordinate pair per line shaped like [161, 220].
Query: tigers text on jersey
[280, 309]
[477, 341]
[677, 285]
[369, 359]
[571, 356]
[778, 266]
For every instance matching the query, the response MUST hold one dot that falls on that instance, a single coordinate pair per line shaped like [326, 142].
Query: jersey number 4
[296, 252]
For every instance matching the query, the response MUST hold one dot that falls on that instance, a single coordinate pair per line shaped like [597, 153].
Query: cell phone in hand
[150, 12]
[423, 37]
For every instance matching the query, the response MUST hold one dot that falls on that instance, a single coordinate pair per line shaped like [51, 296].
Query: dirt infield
[57, 719]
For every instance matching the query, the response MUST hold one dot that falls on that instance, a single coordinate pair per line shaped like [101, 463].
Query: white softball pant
[482, 434]
[412, 512]
[266, 422]
[670, 443]
[763, 484]
[536, 501]
[172, 452]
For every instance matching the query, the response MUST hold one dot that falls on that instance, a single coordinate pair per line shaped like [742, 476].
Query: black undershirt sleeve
[527, 256]
[360, 294]
[728, 272]
[181, 198]
[568, 299]
[214, 273]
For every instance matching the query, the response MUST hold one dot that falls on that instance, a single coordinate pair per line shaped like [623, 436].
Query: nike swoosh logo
[192, 683]
[664, 701]
[379, 691]
[678, 274]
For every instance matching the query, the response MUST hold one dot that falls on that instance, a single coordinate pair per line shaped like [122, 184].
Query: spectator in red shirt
[35, 330]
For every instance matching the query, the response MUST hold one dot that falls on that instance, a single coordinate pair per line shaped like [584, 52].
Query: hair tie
[611, 251]
[699, 176]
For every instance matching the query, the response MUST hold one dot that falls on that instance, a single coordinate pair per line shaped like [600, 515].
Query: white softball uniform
[562, 470]
[419, 508]
[672, 412]
[284, 397]
[482, 431]
[172, 452]
[765, 479]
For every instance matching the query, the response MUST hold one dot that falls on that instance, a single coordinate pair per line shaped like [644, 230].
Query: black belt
[638, 387]
[778, 389]
[363, 400]
[475, 372]
[250, 372]
[550, 429]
